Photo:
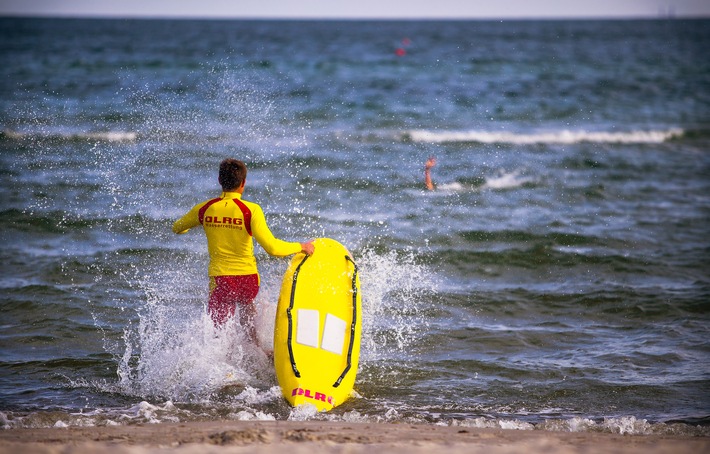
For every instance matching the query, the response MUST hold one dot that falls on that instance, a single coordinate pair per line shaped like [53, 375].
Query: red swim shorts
[228, 291]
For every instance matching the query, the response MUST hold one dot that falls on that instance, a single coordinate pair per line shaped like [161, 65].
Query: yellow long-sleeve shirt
[229, 223]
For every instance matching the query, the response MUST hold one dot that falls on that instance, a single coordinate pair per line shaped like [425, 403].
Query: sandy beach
[329, 437]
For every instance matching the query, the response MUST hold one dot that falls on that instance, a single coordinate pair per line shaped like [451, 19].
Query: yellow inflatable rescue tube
[318, 324]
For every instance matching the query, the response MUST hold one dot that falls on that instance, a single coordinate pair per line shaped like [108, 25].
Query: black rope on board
[352, 325]
[290, 319]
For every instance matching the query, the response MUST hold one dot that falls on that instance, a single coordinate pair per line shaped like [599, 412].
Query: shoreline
[310, 437]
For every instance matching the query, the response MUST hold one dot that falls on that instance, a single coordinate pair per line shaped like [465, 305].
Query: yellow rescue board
[317, 330]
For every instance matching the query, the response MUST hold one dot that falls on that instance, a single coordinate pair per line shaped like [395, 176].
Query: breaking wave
[549, 137]
[103, 136]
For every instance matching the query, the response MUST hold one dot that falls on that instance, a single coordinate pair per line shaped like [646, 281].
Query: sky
[359, 9]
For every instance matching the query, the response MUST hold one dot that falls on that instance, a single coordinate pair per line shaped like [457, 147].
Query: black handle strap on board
[290, 318]
[352, 325]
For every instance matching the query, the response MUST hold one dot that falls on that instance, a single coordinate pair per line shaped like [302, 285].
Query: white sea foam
[245, 415]
[623, 425]
[254, 396]
[107, 136]
[627, 425]
[500, 180]
[111, 136]
[303, 412]
[486, 423]
[507, 180]
[451, 187]
[548, 137]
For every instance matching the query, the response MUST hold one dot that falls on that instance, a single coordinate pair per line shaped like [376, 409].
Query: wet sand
[312, 437]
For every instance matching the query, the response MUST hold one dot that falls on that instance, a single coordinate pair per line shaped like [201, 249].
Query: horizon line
[18, 15]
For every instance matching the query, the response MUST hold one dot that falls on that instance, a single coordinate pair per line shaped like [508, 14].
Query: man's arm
[267, 240]
[190, 220]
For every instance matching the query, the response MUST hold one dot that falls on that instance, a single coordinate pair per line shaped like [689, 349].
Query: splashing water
[174, 352]
[394, 287]
[183, 357]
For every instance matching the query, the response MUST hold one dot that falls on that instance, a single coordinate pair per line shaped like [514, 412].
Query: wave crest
[107, 136]
[551, 137]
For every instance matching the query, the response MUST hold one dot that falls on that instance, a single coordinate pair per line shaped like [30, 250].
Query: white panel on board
[307, 327]
[333, 334]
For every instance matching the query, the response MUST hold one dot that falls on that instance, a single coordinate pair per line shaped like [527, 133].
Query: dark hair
[232, 174]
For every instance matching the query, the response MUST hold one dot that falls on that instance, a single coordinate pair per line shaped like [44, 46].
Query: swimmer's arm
[431, 162]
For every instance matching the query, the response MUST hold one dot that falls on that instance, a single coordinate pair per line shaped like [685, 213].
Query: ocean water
[558, 278]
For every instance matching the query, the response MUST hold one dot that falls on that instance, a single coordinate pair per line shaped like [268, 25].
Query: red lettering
[226, 220]
[309, 394]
